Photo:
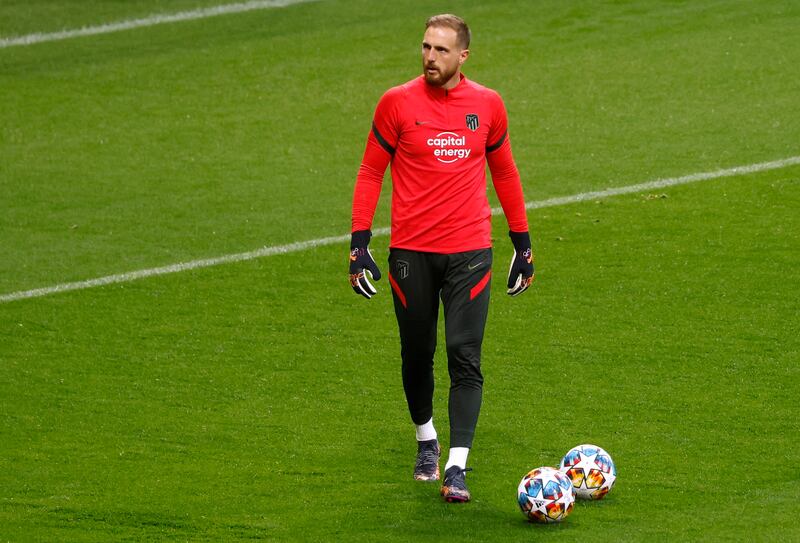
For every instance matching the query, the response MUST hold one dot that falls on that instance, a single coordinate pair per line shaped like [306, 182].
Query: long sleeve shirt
[438, 143]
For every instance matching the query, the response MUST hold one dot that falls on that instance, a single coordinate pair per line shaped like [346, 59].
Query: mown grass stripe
[313, 243]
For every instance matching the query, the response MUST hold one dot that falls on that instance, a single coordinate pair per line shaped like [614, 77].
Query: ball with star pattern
[591, 470]
[545, 495]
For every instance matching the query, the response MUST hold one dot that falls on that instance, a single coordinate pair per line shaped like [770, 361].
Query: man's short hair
[448, 20]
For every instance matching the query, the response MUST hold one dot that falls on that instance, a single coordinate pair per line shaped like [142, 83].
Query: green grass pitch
[262, 400]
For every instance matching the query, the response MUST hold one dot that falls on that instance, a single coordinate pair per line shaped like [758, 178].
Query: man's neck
[453, 82]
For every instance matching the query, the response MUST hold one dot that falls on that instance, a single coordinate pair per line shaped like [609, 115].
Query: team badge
[472, 121]
[402, 269]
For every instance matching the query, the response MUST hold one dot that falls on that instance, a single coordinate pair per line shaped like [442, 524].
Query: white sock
[458, 457]
[426, 432]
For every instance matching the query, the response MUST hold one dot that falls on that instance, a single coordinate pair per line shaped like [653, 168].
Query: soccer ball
[545, 495]
[591, 470]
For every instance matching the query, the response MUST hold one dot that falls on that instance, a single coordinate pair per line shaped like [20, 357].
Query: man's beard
[438, 78]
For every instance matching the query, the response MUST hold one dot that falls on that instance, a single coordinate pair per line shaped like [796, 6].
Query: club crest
[402, 269]
[472, 121]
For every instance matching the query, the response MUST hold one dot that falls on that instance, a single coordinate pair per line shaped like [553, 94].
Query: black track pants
[462, 280]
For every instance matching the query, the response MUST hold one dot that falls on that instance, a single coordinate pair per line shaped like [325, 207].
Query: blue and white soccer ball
[545, 495]
[591, 470]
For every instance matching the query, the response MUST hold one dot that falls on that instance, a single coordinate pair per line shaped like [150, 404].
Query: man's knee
[464, 363]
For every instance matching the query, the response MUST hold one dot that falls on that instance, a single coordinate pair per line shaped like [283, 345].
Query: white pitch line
[182, 266]
[659, 184]
[150, 20]
[313, 243]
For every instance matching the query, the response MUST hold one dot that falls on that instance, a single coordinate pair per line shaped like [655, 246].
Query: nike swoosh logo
[473, 266]
[423, 122]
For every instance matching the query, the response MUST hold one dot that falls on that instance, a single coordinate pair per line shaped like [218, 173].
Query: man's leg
[465, 294]
[414, 283]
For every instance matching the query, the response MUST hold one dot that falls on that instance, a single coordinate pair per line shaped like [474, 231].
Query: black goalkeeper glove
[361, 263]
[520, 275]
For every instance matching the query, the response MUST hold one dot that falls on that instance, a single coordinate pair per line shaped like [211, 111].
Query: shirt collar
[439, 92]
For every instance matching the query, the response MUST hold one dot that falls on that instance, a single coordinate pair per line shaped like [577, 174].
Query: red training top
[437, 141]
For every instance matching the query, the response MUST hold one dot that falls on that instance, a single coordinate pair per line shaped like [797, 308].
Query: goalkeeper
[438, 131]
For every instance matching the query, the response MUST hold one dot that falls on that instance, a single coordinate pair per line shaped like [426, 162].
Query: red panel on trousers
[396, 289]
[477, 289]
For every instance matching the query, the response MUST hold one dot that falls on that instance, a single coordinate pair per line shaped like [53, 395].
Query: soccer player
[438, 131]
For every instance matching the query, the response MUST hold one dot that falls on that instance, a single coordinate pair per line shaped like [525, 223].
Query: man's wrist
[360, 238]
[521, 240]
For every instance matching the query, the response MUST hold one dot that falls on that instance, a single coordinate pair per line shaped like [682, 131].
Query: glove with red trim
[362, 263]
[521, 272]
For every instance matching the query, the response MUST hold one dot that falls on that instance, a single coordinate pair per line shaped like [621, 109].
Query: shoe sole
[454, 498]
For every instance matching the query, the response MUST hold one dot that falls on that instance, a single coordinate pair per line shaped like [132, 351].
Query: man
[438, 131]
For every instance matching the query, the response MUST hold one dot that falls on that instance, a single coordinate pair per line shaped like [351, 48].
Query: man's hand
[361, 263]
[520, 275]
